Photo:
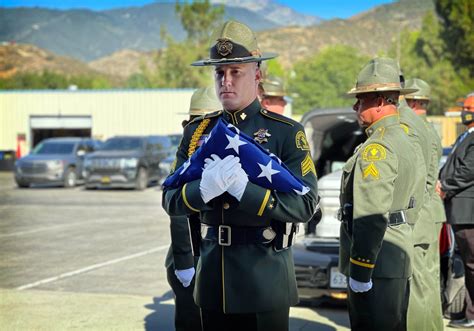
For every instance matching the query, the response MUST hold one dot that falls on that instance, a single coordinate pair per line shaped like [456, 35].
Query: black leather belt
[226, 235]
[394, 218]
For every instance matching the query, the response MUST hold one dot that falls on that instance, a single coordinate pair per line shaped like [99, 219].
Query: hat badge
[224, 47]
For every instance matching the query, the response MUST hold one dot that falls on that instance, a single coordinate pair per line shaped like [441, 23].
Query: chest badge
[261, 136]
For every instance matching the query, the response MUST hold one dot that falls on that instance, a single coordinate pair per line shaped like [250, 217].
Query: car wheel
[70, 177]
[141, 182]
[22, 184]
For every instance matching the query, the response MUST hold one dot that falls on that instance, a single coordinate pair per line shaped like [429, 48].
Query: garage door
[43, 127]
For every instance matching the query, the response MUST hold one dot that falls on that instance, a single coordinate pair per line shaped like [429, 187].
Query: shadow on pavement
[302, 324]
[161, 316]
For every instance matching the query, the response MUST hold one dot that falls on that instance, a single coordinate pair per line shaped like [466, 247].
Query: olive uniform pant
[187, 316]
[433, 268]
[384, 307]
[275, 320]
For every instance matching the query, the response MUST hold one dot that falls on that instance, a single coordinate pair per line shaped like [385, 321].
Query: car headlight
[128, 163]
[55, 163]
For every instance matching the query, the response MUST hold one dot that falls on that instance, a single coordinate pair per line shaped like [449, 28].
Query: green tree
[323, 80]
[423, 56]
[173, 64]
[458, 31]
[199, 18]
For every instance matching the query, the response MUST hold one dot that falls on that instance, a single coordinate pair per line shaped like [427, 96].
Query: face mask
[467, 117]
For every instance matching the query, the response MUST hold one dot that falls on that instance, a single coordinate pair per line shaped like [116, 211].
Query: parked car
[127, 162]
[166, 164]
[332, 135]
[55, 161]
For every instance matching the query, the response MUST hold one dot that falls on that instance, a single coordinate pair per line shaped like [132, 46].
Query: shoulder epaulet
[277, 117]
[210, 115]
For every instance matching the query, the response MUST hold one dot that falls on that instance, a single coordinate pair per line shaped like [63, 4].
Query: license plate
[105, 180]
[337, 279]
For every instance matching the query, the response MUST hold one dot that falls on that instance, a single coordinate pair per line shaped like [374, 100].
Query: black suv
[127, 162]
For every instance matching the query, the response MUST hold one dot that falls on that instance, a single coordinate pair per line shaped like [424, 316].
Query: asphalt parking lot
[72, 259]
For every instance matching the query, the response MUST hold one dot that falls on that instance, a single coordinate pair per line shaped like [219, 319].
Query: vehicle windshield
[54, 148]
[122, 144]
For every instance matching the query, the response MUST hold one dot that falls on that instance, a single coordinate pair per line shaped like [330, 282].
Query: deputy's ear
[258, 74]
[380, 101]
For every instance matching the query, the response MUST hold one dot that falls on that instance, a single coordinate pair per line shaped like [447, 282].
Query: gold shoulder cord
[196, 135]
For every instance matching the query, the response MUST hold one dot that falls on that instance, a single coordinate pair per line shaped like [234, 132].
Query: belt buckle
[227, 231]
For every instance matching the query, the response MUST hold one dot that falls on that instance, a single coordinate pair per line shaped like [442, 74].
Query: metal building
[26, 117]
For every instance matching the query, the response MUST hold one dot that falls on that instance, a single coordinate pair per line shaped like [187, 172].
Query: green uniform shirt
[247, 278]
[378, 179]
[420, 137]
[437, 207]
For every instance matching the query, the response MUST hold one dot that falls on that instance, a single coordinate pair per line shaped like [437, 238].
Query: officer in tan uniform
[180, 261]
[245, 277]
[419, 101]
[273, 94]
[377, 190]
[418, 317]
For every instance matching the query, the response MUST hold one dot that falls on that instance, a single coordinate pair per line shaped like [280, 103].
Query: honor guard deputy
[425, 312]
[245, 277]
[180, 263]
[377, 189]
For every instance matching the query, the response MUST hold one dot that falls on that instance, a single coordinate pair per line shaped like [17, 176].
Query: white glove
[237, 188]
[359, 287]
[217, 176]
[185, 276]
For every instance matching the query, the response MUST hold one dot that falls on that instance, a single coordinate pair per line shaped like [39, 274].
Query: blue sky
[323, 8]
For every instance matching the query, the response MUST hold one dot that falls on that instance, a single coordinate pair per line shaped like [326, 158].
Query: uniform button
[226, 205]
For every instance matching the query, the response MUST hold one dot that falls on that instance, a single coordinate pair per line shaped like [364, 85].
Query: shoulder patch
[276, 117]
[374, 152]
[301, 141]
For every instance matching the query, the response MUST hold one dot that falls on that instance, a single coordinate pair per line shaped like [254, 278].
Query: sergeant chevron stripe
[307, 166]
[371, 170]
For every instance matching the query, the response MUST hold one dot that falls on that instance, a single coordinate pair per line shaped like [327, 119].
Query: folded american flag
[263, 168]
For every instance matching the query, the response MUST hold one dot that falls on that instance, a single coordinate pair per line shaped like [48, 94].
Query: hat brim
[417, 97]
[402, 91]
[237, 60]
[273, 94]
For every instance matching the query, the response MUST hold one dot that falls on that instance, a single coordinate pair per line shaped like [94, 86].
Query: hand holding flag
[263, 168]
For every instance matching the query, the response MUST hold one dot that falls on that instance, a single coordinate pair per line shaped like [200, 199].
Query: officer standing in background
[245, 274]
[456, 187]
[430, 263]
[273, 94]
[180, 261]
[419, 310]
[377, 189]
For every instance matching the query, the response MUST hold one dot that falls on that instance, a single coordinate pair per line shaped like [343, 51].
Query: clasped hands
[222, 175]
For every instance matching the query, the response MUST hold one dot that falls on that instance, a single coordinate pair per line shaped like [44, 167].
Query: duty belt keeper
[397, 218]
[285, 237]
